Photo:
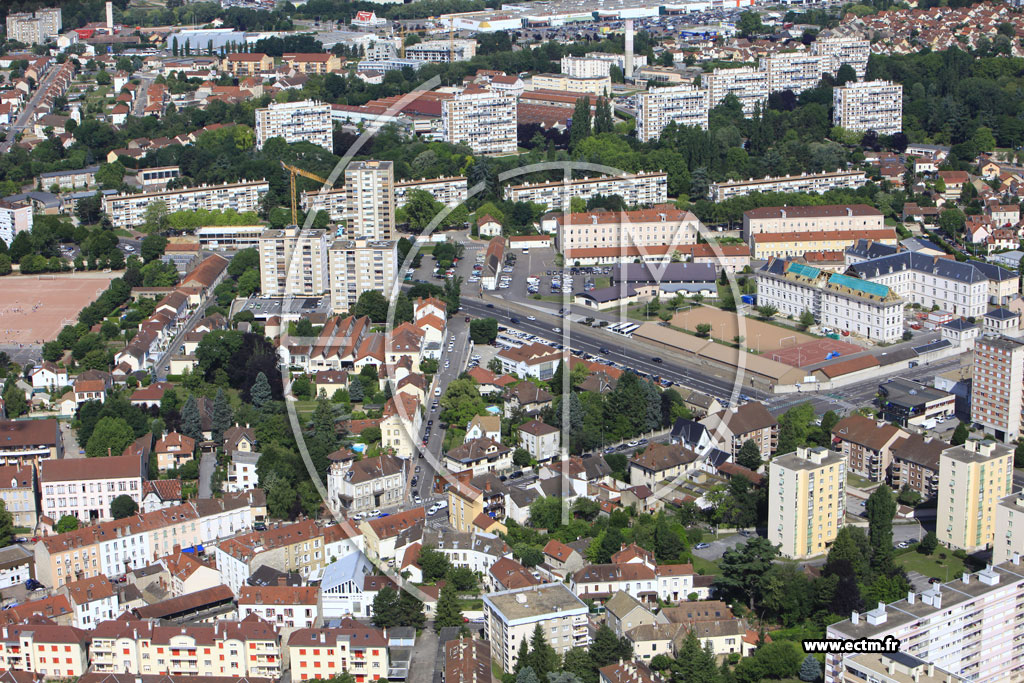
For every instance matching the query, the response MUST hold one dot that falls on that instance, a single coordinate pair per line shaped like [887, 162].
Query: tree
[448, 612]
[810, 669]
[749, 455]
[750, 24]
[608, 648]
[543, 658]
[928, 544]
[65, 524]
[806, 319]
[521, 457]
[960, 435]
[155, 216]
[461, 402]
[483, 330]
[704, 330]
[6, 526]
[668, 545]
[767, 311]
[1018, 454]
[261, 393]
[110, 436]
[123, 506]
[579, 663]
[693, 663]
[152, 247]
[881, 508]
[579, 129]
[742, 569]
[434, 564]
[191, 422]
[372, 304]
[845, 75]
[110, 176]
[15, 403]
[952, 222]
[385, 608]
[221, 419]
[410, 611]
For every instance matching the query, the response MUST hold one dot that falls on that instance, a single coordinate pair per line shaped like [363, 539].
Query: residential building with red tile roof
[285, 606]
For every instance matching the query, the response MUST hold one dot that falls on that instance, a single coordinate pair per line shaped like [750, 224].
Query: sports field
[725, 325]
[812, 352]
[34, 308]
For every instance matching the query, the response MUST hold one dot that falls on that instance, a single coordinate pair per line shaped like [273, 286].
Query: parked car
[701, 546]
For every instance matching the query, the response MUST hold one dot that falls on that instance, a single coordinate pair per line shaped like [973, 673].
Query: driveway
[206, 466]
[424, 658]
[71, 446]
[716, 549]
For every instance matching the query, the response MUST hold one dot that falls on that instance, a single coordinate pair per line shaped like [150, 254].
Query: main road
[24, 119]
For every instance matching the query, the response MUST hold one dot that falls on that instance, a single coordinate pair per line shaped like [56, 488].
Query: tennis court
[812, 352]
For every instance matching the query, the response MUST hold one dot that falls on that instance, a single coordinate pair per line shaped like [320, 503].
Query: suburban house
[659, 462]
[541, 440]
[734, 426]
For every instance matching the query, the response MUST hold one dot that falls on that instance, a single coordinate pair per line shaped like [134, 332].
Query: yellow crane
[296, 171]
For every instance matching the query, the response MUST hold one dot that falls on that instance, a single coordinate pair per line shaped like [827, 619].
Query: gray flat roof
[544, 600]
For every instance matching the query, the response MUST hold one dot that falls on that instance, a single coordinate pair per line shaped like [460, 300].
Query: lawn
[858, 481]
[707, 566]
[932, 565]
[603, 281]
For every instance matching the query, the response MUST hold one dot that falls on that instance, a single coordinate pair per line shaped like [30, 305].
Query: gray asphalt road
[26, 117]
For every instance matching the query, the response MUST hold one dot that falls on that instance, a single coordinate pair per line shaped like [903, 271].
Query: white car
[447, 364]
[530, 317]
[375, 513]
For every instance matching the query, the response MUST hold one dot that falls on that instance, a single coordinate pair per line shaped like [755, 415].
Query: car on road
[530, 318]
[416, 499]
[375, 513]
[259, 526]
[701, 546]
[415, 480]
[604, 349]
[657, 359]
[418, 469]
[514, 321]
[516, 475]
[903, 544]
[490, 305]
[633, 444]
[556, 330]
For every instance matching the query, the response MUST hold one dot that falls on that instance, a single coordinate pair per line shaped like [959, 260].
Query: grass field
[858, 481]
[932, 565]
[709, 567]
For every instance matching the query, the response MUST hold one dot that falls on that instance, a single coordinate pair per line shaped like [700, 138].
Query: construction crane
[296, 171]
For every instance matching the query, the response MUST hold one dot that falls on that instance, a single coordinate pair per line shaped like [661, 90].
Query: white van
[437, 391]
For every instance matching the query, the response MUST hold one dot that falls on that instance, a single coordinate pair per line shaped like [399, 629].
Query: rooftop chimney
[911, 597]
[855, 617]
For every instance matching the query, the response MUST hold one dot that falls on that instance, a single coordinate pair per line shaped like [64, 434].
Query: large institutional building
[827, 218]
[807, 501]
[306, 121]
[869, 105]
[747, 84]
[370, 200]
[660, 226]
[483, 119]
[818, 183]
[847, 303]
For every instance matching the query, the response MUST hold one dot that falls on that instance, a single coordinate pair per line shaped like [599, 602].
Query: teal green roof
[803, 270]
[858, 285]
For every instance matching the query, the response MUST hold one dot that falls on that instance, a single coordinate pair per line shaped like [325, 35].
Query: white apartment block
[683, 105]
[795, 71]
[454, 190]
[824, 219]
[357, 266]
[484, 120]
[969, 626]
[996, 386]
[15, 217]
[127, 210]
[618, 60]
[510, 618]
[305, 121]
[293, 262]
[659, 226]
[1009, 539]
[844, 50]
[869, 105]
[442, 51]
[34, 27]
[959, 288]
[594, 86]
[586, 67]
[229, 237]
[818, 183]
[370, 200]
[242, 475]
[642, 189]
[86, 488]
[749, 85]
[973, 478]
[807, 501]
[836, 300]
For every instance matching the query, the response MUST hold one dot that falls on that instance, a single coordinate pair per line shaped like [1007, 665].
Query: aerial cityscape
[562, 341]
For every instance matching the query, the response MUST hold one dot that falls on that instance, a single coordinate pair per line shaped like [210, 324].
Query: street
[26, 117]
